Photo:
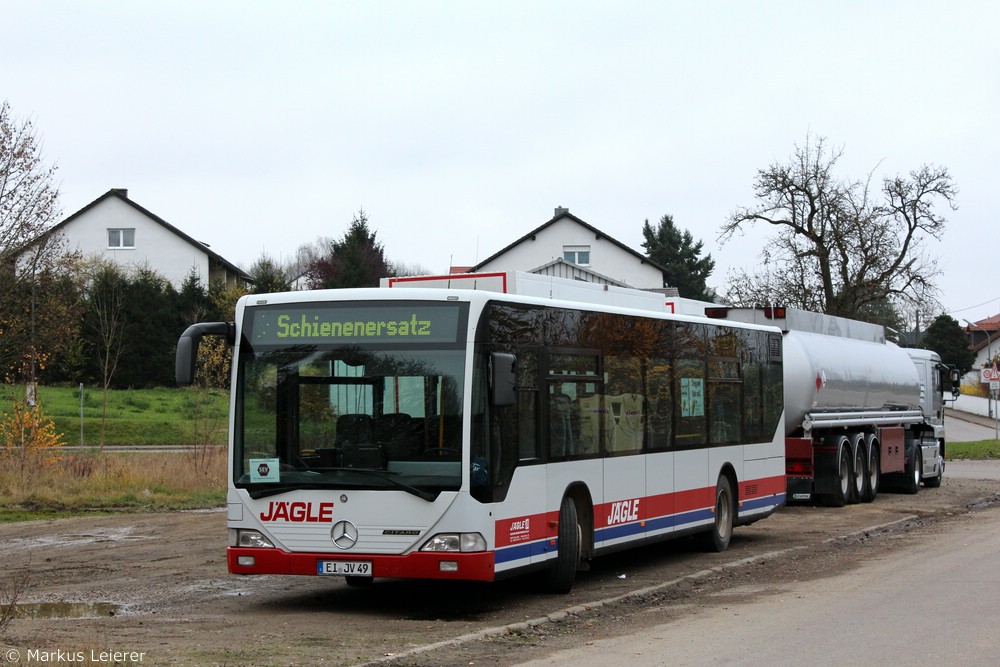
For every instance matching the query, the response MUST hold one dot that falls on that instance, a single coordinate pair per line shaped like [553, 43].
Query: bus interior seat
[396, 432]
[354, 429]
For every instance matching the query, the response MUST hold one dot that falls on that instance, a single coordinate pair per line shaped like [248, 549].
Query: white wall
[155, 245]
[975, 405]
[606, 258]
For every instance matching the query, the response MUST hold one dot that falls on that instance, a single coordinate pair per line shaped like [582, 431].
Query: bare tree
[13, 587]
[406, 269]
[28, 207]
[107, 313]
[28, 197]
[295, 269]
[839, 248]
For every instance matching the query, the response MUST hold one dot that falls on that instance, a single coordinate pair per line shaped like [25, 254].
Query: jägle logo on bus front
[298, 512]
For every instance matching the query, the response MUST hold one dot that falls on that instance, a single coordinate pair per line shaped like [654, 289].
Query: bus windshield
[313, 413]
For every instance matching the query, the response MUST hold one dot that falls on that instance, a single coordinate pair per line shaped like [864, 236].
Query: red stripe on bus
[534, 527]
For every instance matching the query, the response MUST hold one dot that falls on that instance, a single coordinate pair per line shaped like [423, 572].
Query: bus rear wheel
[718, 538]
[563, 572]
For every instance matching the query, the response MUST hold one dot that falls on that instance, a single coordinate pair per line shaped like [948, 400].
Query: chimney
[121, 192]
[560, 211]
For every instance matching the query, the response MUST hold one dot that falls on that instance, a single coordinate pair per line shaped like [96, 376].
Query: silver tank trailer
[824, 374]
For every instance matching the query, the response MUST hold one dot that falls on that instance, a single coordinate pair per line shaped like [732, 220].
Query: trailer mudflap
[826, 458]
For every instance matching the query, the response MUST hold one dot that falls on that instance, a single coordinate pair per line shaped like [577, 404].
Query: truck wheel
[874, 473]
[915, 476]
[563, 572]
[859, 476]
[840, 497]
[718, 538]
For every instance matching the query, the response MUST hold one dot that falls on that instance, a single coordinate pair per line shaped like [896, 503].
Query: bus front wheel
[563, 572]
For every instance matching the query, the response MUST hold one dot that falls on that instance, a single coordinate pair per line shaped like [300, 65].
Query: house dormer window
[121, 238]
[577, 254]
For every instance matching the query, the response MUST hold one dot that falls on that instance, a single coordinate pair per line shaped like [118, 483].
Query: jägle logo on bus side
[623, 511]
[298, 512]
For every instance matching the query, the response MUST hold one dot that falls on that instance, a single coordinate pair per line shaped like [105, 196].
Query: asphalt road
[931, 600]
[932, 603]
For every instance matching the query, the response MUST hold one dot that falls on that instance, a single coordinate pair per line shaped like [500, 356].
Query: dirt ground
[154, 589]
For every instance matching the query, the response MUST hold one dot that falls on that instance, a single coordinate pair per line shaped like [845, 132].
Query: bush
[28, 438]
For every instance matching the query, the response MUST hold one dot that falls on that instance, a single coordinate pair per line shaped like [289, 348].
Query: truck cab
[934, 377]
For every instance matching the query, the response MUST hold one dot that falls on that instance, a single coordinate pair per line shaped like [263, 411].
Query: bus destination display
[373, 323]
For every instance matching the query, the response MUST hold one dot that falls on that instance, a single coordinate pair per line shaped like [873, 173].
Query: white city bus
[448, 433]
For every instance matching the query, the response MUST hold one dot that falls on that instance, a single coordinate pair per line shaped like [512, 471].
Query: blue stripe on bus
[653, 525]
[519, 552]
[768, 502]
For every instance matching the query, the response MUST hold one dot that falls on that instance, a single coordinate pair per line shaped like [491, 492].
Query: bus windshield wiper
[387, 476]
[257, 492]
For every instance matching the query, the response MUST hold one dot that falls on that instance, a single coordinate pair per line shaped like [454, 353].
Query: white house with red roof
[985, 339]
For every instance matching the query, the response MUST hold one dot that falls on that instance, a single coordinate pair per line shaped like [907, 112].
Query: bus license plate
[349, 568]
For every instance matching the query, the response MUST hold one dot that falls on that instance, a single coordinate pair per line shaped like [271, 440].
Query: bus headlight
[253, 538]
[455, 542]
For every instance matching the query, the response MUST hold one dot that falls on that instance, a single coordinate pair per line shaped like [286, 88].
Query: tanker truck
[860, 412]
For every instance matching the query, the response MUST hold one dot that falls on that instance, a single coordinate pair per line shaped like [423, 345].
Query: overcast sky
[257, 127]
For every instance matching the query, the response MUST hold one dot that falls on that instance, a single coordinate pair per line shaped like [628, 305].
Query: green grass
[981, 449]
[162, 416]
[87, 483]
[64, 483]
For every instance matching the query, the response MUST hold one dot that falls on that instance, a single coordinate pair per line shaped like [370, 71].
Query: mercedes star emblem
[344, 534]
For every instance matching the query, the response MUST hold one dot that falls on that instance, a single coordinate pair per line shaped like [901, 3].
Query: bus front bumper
[476, 566]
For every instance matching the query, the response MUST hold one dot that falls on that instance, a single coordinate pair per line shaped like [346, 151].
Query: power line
[978, 305]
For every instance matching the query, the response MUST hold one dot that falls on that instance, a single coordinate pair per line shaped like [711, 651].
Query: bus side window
[561, 439]
[527, 404]
[625, 411]
[661, 404]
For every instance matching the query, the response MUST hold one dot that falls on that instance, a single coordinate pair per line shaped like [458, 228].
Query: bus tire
[563, 572]
[717, 539]
[873, 472]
